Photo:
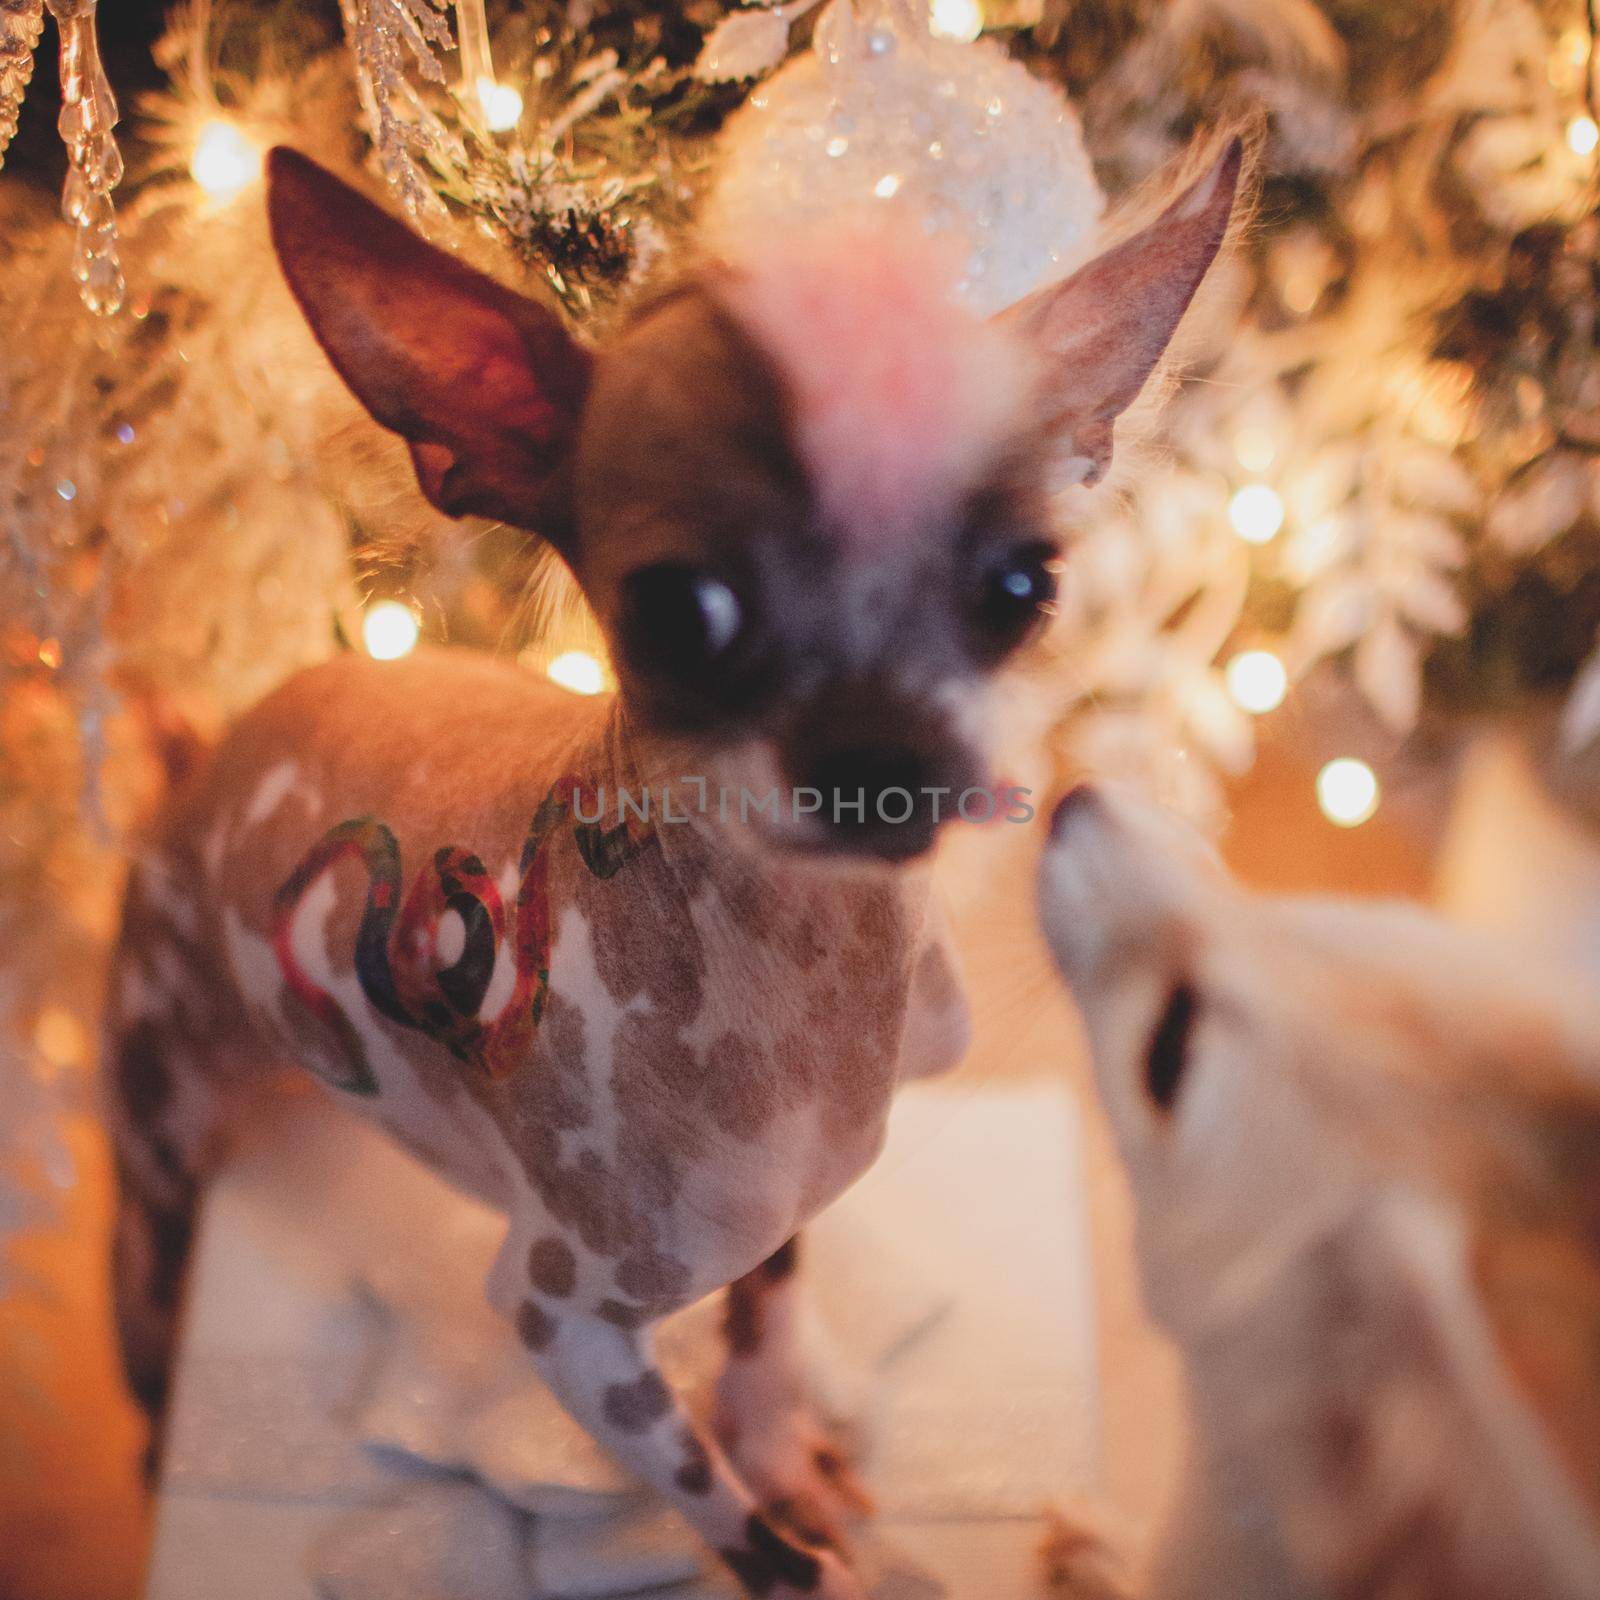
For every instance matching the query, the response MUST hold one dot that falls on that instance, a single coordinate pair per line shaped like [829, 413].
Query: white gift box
[351, 1422]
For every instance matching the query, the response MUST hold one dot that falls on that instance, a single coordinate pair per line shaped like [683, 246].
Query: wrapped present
[351, 1421]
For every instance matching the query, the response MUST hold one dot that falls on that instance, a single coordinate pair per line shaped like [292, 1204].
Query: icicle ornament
[88, 115]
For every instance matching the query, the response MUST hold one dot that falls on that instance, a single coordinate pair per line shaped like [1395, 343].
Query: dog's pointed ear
[1102, 331]
[485, 385]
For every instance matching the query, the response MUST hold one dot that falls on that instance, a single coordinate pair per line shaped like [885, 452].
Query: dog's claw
[802, 1478]
[806, 1520]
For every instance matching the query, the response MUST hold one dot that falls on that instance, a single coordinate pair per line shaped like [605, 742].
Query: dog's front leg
[765, 1414]
[607, 1379]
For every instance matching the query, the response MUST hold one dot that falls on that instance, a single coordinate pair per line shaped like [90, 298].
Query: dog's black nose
[877, 781]
[1079, 799]
[874, 797]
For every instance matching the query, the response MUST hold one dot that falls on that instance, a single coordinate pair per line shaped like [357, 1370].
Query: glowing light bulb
[1582, 136]
[887, 186]
[502, 105]
[956, 19]
[389, 630]
[1256, 512]
[224, 160]
[577, 670]
[1257, 681]
[1347, 791]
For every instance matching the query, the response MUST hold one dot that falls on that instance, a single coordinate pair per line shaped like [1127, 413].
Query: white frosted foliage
[962, 139]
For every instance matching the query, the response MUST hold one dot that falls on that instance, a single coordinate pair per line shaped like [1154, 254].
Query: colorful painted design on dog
[439, 985]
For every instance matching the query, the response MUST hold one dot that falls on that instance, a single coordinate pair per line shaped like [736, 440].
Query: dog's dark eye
[1169, 1047]
[676, 618]
[1015, 590]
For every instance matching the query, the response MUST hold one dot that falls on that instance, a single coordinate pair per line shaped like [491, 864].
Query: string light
[389, 630]
[1256, 512]
[1257, 681]
[224, 160]
[1583, 134]
[956, 19]
[502, 105]
[1347, 792]
[577, 670]
[887, 186]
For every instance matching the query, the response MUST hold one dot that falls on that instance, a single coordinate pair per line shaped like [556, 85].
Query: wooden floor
[71, 1507]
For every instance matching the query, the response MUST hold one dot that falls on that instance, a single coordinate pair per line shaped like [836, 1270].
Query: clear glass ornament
[958, 137]
[390, 39]
[88, 116]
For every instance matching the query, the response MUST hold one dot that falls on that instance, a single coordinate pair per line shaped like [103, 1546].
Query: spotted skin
[712, 1058]
[536, 1327]
[694, 1475]
[552, 1267]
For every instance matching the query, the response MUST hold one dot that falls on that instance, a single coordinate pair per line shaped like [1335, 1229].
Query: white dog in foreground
[1365, 1156]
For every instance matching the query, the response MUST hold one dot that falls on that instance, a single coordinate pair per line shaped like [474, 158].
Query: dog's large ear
[1103, 330]
[484, 384]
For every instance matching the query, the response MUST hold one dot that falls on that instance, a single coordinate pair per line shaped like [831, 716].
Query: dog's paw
[835, 1581]
[799, 1472]
[1082, 1558]
[771, 1564]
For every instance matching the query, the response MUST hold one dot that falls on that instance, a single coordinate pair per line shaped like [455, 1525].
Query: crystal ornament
[389, 39]
[88, 115]
[94, 164]
[959, 137]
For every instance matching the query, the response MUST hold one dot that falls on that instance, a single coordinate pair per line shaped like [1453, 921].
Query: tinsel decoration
[563, 179]
[389, 38]
[557, 196]
[21, 22]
